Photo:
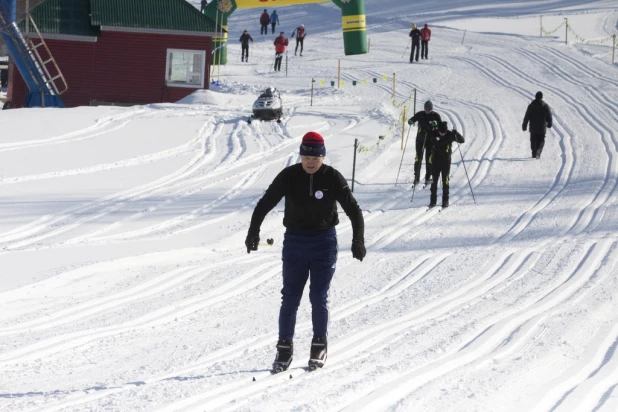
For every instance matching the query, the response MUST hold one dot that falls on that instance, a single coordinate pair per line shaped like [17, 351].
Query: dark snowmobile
[268, 106]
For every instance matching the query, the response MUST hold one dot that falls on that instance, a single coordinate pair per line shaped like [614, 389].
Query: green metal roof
[63, 17]
[151, 14]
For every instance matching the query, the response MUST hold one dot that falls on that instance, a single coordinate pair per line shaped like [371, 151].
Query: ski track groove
[187, 306]
[563, 176]
[397, 389]
[586, 215]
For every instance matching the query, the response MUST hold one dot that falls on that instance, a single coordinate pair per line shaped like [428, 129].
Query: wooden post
[566, 31]
[339, 76]
[464, 36]
[368, 44]
[403, 125]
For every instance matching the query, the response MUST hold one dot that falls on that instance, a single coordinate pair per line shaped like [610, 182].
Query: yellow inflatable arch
[352, 21]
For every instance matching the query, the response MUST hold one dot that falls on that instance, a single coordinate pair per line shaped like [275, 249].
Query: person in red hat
[311, 190]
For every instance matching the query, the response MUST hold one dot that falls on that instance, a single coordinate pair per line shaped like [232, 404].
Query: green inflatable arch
[353, 21]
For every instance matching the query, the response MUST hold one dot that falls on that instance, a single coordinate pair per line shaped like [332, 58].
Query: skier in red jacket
[425, 37]
[280, 44]
[264, 20]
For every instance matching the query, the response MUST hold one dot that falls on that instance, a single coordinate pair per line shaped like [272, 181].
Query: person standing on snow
[540, 118]
[280, 44]
[274, 20]
[441, 149]
[300, 33]
[203, 5]
[244, 43]
[425, 37]
[264, 20]
[311, 190]
[428, 121]
[415, 34]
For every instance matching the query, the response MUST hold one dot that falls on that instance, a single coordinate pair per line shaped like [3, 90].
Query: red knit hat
[312, 145]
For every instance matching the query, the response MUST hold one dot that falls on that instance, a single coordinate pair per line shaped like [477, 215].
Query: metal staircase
[35, 63]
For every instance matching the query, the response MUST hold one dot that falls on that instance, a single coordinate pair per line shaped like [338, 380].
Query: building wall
[119, 68]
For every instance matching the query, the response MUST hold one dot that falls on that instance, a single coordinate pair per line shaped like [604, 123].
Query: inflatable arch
[352, 12]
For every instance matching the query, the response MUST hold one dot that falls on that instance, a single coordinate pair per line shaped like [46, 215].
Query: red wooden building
[123, 51]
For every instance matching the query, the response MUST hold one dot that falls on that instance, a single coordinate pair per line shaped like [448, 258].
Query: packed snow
[125, 283]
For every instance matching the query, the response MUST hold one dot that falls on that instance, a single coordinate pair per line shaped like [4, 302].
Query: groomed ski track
[508, 304]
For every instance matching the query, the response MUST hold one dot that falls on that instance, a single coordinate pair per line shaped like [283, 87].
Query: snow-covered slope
[124, 280]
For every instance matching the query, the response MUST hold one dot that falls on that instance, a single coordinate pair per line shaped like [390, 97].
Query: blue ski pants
[313, 256]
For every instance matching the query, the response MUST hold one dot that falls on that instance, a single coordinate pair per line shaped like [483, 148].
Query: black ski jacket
[442, 145]
[244, 39]
[310, 201]
[416, 36]
[423, 120]
[539, 116]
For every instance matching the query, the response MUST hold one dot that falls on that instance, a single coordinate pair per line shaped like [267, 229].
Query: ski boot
[318, 353]
[444, 204]
[285, 352]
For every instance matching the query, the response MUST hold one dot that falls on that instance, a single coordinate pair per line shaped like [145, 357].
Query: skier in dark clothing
[415, 34]
[300, 34]
[264, 20]
[203, 5]
[311, 190]
[441, 149]
[425, 37]
[428, 121]
[540, 118]
[244, 42]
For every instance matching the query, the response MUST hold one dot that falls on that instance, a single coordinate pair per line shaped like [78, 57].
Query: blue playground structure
[33, 59]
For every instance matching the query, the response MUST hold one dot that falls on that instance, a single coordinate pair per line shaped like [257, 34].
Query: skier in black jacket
[540, 118]
[415, 34]
[427, 122]
[244, 42]
[311, 189]
[441, 149]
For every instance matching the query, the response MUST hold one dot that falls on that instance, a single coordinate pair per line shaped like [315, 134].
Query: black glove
[523, 127]
[252, 242]
[410, 121]
[358, 249]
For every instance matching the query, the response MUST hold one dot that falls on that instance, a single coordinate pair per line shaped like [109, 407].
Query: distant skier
[311, 190]
[300, 34]
[441, 149]
[280, 44]
[264, 20]
[244, 42]
[203, 5]
[425, 37]
[540, 118]
[428, 121]
[415, 34]
[274, 20]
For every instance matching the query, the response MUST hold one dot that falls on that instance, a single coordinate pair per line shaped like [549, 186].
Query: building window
[185, 68]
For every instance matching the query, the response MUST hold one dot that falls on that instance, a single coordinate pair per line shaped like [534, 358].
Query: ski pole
[403, 154]
[406, 49]
[464, 165]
